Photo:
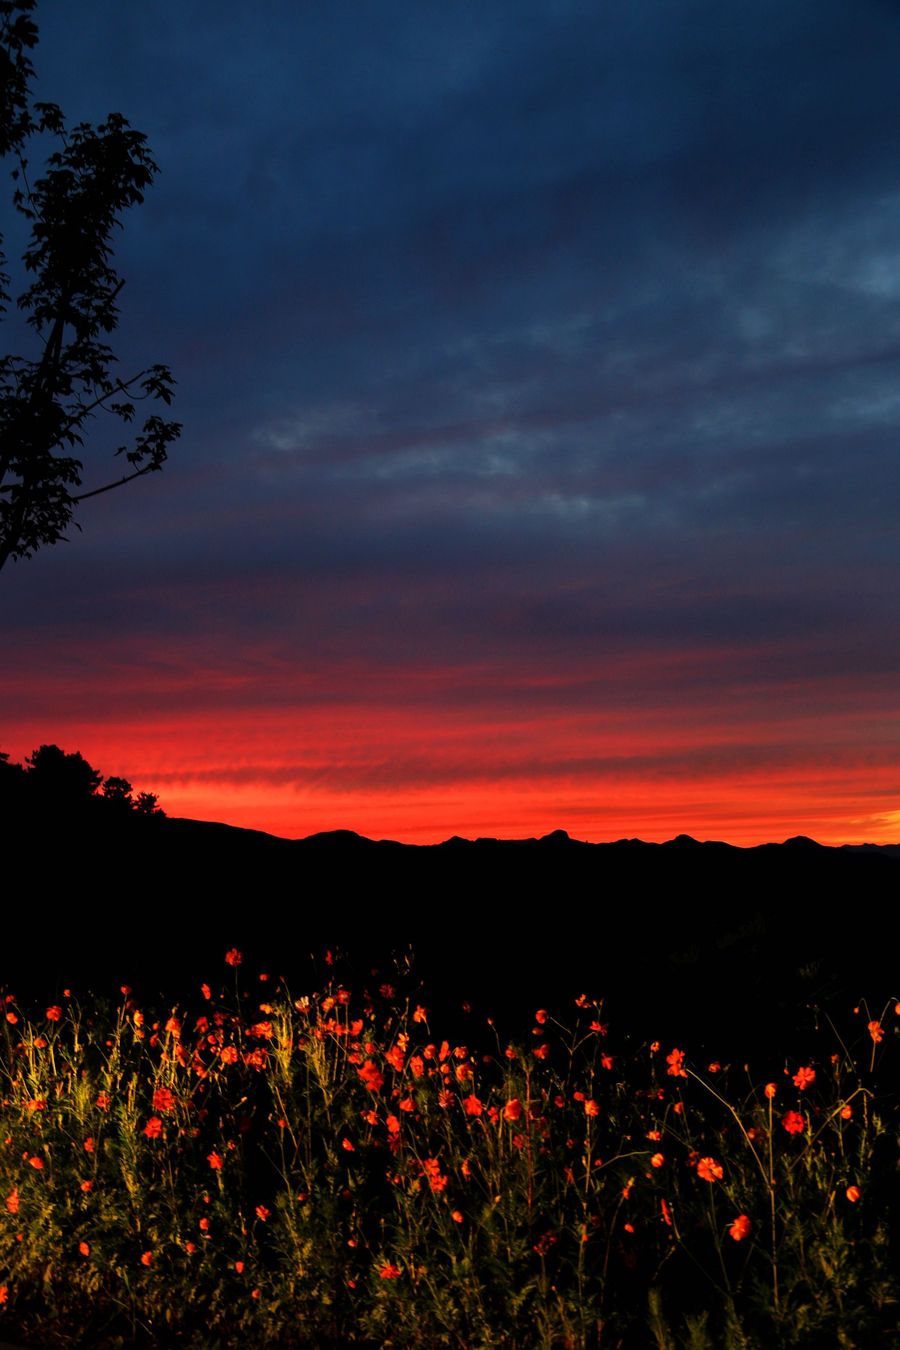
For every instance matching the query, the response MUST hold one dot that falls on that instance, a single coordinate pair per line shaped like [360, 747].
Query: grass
[273, 1167]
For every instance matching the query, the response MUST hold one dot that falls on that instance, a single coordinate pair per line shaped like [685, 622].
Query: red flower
[793, 1122]
[54, 1013]
[472, 1106]
[36, 1163]
[591, 1108]
[12, 1200]
[215, 1161]
[103, 1101]
[262, 1213]
[147, 1259]
[740, 1228]
[512, 1110]
[770, 1090]
[163, 1100]
[709, 1170]
[153, 1128]
[853, 1194]
[657, 1160]
[675, 1061]
[389, 1271]
[87, 1186]
[876, 1032]
[84, 1249]
[371, 1075]
[234, 957]
[804, 1077]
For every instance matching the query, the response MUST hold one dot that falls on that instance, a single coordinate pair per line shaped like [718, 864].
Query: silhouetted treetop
[47, 400]
[56, 781]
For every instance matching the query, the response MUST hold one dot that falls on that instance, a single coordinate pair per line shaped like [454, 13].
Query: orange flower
[389, 1271]
[456, 1216]
[472, 1106]
[541, 1015]
[103, 1101]
[793, 1122]
[541, 1051]
[346, 1144]
[234, 957]
[804, 1077]
[163, 1100]
[666, 1213]
[204, 1225]
[371, 1075]
[591, 1108]
[36, 1163]
[657, 1160]
[770, 1090]
[12, 1200]
[87, 1186]
[89, 1145]
[215, 1161]
[153, 1128]
[54, 1013]
[420, 1015]
[84, 1249]
[876, 1031]
[709, 1170]
[262, 1213]
[512, 1110]
[740, 1228]
[393, 1125]
[675, 1061]
[846, 1112]
[239, 1267]
[4, 1292]
[147, 1259]
[853, 1194]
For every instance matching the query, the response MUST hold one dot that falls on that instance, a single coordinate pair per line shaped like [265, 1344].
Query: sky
[539, 368]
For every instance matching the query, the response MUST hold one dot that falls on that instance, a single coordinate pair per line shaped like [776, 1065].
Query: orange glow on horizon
[421, 778]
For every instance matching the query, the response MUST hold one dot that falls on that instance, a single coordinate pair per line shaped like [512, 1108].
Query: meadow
[263, 1166]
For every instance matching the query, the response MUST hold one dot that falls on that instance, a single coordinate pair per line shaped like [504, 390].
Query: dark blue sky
[540, 373]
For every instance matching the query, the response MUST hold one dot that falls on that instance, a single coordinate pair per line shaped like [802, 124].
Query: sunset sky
[539, 366]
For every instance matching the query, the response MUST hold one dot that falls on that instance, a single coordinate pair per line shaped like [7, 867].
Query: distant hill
[684, 934]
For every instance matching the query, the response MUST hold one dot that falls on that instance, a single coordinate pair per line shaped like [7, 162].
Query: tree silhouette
[47, 400]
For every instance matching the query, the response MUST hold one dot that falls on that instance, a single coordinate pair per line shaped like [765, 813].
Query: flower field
[271, 1167]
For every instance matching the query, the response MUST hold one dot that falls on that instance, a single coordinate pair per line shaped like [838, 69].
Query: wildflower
[389, 1271]
[36, 1163]
[472, 1106]
[11, 1018]
[431, 1169]
[666, 1213]
[709, 1170]
[84, 1248]
[153, 1128]
[371, 1075]
[147, 1259]
[215, 1161]
[163, 1100]
[793, 1122]
[54, 1013]
[675, 1061]
[740, 1228]
[876, 1031]
[541, 1051]
[804, 1077]
[770, 1090]
[206, 991]
[12, 1200]
[657, 1160]
[420, 1015]
[190, 1247]
[234, 957]
[591, 1108]
[407, 1104]
[513, 1109]
[4, 1292]
[103, 1101]
[541, 1015]
[456, 1216]
[89, 1144]
[846, 1112]
[87, 1185]
[345, 1144]
[262, 1213]
[228, 1054]
[393, 1125]
[204, 1225]
[853, 1194]
[606, 1062]
[239, 1267]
